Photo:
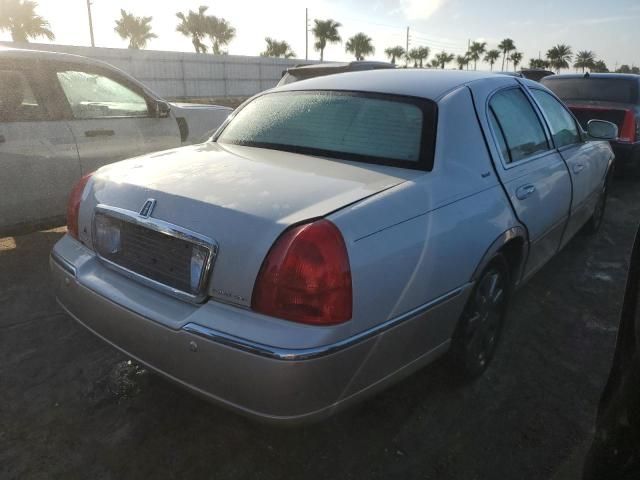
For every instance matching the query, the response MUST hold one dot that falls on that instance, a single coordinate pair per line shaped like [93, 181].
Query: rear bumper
[276, 385]
[627, 154]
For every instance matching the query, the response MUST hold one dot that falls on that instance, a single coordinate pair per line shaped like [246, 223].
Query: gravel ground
[73, 407]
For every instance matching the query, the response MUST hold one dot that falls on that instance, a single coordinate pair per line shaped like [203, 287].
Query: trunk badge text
[147, 208]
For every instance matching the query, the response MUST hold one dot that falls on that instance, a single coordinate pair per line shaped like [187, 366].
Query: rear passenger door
[38, 155]
[110, 116]
[533, 173]
[582, 158]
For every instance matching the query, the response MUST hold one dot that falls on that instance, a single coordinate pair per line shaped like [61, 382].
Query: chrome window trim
[289, 354]
[170, 230]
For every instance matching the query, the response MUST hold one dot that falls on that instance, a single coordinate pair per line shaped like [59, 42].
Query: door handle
[525, 191]
[577, 168]
[2, 139]
[99, 133]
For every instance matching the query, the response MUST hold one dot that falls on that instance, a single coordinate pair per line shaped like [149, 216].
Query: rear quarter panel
[426, 237]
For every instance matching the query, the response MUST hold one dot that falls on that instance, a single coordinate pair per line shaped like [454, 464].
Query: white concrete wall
[186, 75]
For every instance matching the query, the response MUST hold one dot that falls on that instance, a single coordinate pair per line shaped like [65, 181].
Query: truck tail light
[73, 205]
[629, 127]
[306, 277]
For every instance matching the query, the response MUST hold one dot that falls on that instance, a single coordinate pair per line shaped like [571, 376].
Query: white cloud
[420, 9]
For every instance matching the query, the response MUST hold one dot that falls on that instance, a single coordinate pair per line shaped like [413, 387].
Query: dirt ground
[71, 407]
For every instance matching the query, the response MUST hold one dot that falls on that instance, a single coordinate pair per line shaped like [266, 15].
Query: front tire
[480, 327]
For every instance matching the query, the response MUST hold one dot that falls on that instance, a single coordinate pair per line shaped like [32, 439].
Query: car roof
[431, 84]
[43, 54]
[613, 76]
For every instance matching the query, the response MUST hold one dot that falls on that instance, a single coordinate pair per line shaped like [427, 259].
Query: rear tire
[480, 327]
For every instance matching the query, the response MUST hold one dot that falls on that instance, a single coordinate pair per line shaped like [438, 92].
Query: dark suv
[613, 97]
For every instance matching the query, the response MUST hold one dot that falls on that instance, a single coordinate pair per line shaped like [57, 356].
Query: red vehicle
[613, 97]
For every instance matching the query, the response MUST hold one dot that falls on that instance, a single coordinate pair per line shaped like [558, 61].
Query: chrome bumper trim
[315, 352]
[63, 263]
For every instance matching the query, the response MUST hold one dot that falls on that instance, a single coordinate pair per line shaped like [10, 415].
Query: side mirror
[602, 130]
[162, 109]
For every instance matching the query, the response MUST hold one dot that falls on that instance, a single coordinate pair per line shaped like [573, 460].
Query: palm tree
[435, 62]
[220, 32]
[476, 50]
[462, 61]
[506, 46]
[444, 58]
[560, 56]
[599, 67]
[277, 49]
[20, 18]
[419, 55]
[194, 25]
[360, 46]
[423, 54]
[136, 29]
[492, 57]
[516, 58]
[394, 52]
[585, 59]
[538, 63]
[325, 31]
[413, 55]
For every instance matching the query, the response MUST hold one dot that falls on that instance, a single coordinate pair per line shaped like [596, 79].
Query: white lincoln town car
[333, 236]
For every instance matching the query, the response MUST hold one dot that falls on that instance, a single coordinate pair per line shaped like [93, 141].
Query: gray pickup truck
[64, 116]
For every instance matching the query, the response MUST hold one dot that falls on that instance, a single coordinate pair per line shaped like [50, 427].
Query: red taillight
[73, 205]
[628, 130]
[306, 277]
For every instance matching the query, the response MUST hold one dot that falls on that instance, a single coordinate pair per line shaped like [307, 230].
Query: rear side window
[563, 126]
[616, 90]
[518, 124]
[17, 100]
[92, 95]
[373, 128]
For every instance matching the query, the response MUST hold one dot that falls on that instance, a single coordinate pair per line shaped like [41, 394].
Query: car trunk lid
[241, 197]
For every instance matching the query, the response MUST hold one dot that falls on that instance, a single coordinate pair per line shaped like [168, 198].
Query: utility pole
[93, 43]
[306, 34]
[407, 39]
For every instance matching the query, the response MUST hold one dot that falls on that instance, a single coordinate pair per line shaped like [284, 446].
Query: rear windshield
[614, 90]
[372, 128]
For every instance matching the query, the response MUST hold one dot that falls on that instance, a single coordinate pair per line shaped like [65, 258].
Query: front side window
[563, 126]
[92, 95]
[517, 122]
[348, 125]
[17, 100]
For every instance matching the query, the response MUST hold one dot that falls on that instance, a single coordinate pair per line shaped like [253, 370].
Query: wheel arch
[513, 244]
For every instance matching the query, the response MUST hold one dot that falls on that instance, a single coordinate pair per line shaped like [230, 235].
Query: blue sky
[611, 29]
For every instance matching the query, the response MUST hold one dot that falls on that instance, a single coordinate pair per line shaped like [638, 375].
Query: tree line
[20, 18]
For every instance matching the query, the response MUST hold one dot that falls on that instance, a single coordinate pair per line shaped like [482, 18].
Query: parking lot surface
[73, 407]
